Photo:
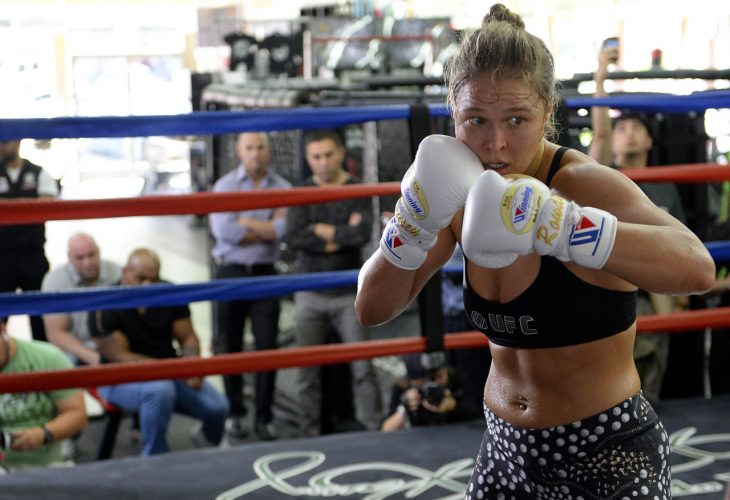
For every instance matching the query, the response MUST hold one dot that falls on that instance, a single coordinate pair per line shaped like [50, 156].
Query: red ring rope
[33, 211]
[41, 210]
[686, 173]
[274, 359]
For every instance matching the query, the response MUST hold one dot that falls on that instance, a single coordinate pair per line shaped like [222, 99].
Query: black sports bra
[558, 309]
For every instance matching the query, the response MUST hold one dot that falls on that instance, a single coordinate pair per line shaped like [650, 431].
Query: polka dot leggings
[619, 454]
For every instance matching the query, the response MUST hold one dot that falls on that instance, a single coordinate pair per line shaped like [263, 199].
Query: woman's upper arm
[594, 185]
[652, 250]
[384, 291]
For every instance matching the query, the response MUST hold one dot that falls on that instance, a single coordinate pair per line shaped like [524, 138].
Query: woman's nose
[494, 140]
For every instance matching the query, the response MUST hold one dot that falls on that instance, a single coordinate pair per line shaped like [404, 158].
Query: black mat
[425, 463]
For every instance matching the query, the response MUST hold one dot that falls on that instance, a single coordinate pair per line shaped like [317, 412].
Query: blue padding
[123, 297]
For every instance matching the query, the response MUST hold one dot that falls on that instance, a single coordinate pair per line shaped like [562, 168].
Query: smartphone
[612, 43]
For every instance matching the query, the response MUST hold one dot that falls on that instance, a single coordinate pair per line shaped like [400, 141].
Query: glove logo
[393, 241]
[586, 232]
[415, 200]
[501, 323]
[519, 208]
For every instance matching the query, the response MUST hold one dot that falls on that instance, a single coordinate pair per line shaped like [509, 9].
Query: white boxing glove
[569, 232]
[400, 253]
[435, 186]
[433, 189]
[516, 215]
[499, 218]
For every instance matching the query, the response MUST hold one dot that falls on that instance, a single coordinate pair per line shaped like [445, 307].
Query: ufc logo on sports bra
[503, 324]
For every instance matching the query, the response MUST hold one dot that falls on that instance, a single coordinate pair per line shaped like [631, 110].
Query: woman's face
[502, 121]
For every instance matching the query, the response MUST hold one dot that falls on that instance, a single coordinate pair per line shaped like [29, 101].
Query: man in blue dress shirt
[247, 244]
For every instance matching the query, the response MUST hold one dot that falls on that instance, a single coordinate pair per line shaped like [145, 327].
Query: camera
[6, 440]
[432, 392]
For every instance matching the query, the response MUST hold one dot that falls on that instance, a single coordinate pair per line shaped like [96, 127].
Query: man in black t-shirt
[151, 333]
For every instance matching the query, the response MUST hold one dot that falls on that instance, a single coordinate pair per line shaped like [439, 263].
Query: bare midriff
[538, 388]
[545, 387]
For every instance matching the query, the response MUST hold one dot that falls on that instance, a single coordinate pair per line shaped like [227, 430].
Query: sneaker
[266, 431]
[236, 427]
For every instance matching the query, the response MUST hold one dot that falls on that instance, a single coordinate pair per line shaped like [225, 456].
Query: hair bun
[499, 12]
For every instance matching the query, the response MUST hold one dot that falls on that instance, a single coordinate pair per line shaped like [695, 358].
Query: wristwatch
[47, 435]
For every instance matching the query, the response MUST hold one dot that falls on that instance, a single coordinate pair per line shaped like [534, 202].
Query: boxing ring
[430, 462]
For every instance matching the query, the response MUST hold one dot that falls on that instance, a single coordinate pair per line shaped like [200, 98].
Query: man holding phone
[625, 145]
[601, 144]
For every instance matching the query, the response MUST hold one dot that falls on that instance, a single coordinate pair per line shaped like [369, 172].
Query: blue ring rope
[125, 297]
[224, 122]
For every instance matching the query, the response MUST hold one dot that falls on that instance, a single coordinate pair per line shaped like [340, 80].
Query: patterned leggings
[621, 453]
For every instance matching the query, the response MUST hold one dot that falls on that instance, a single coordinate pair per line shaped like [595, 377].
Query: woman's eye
[516, 120]
[475, 120]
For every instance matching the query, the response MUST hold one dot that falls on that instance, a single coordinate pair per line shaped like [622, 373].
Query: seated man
[34, 423]
[85, 268]
[147, 333]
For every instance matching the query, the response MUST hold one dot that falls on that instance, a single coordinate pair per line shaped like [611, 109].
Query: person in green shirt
[36, 422]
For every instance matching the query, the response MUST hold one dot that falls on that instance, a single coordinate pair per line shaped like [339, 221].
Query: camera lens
[433, 393]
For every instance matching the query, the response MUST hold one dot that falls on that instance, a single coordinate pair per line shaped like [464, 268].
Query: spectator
[246, 245]
[431, 393]
[23, 261]
[36, 422]
[626, 146]
[149, 333]
[85, 268]
[329, 237]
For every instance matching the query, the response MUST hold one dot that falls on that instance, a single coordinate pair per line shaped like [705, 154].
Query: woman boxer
[555, 246]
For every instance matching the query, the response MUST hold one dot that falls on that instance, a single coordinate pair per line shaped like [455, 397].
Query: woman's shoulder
[580, 177]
